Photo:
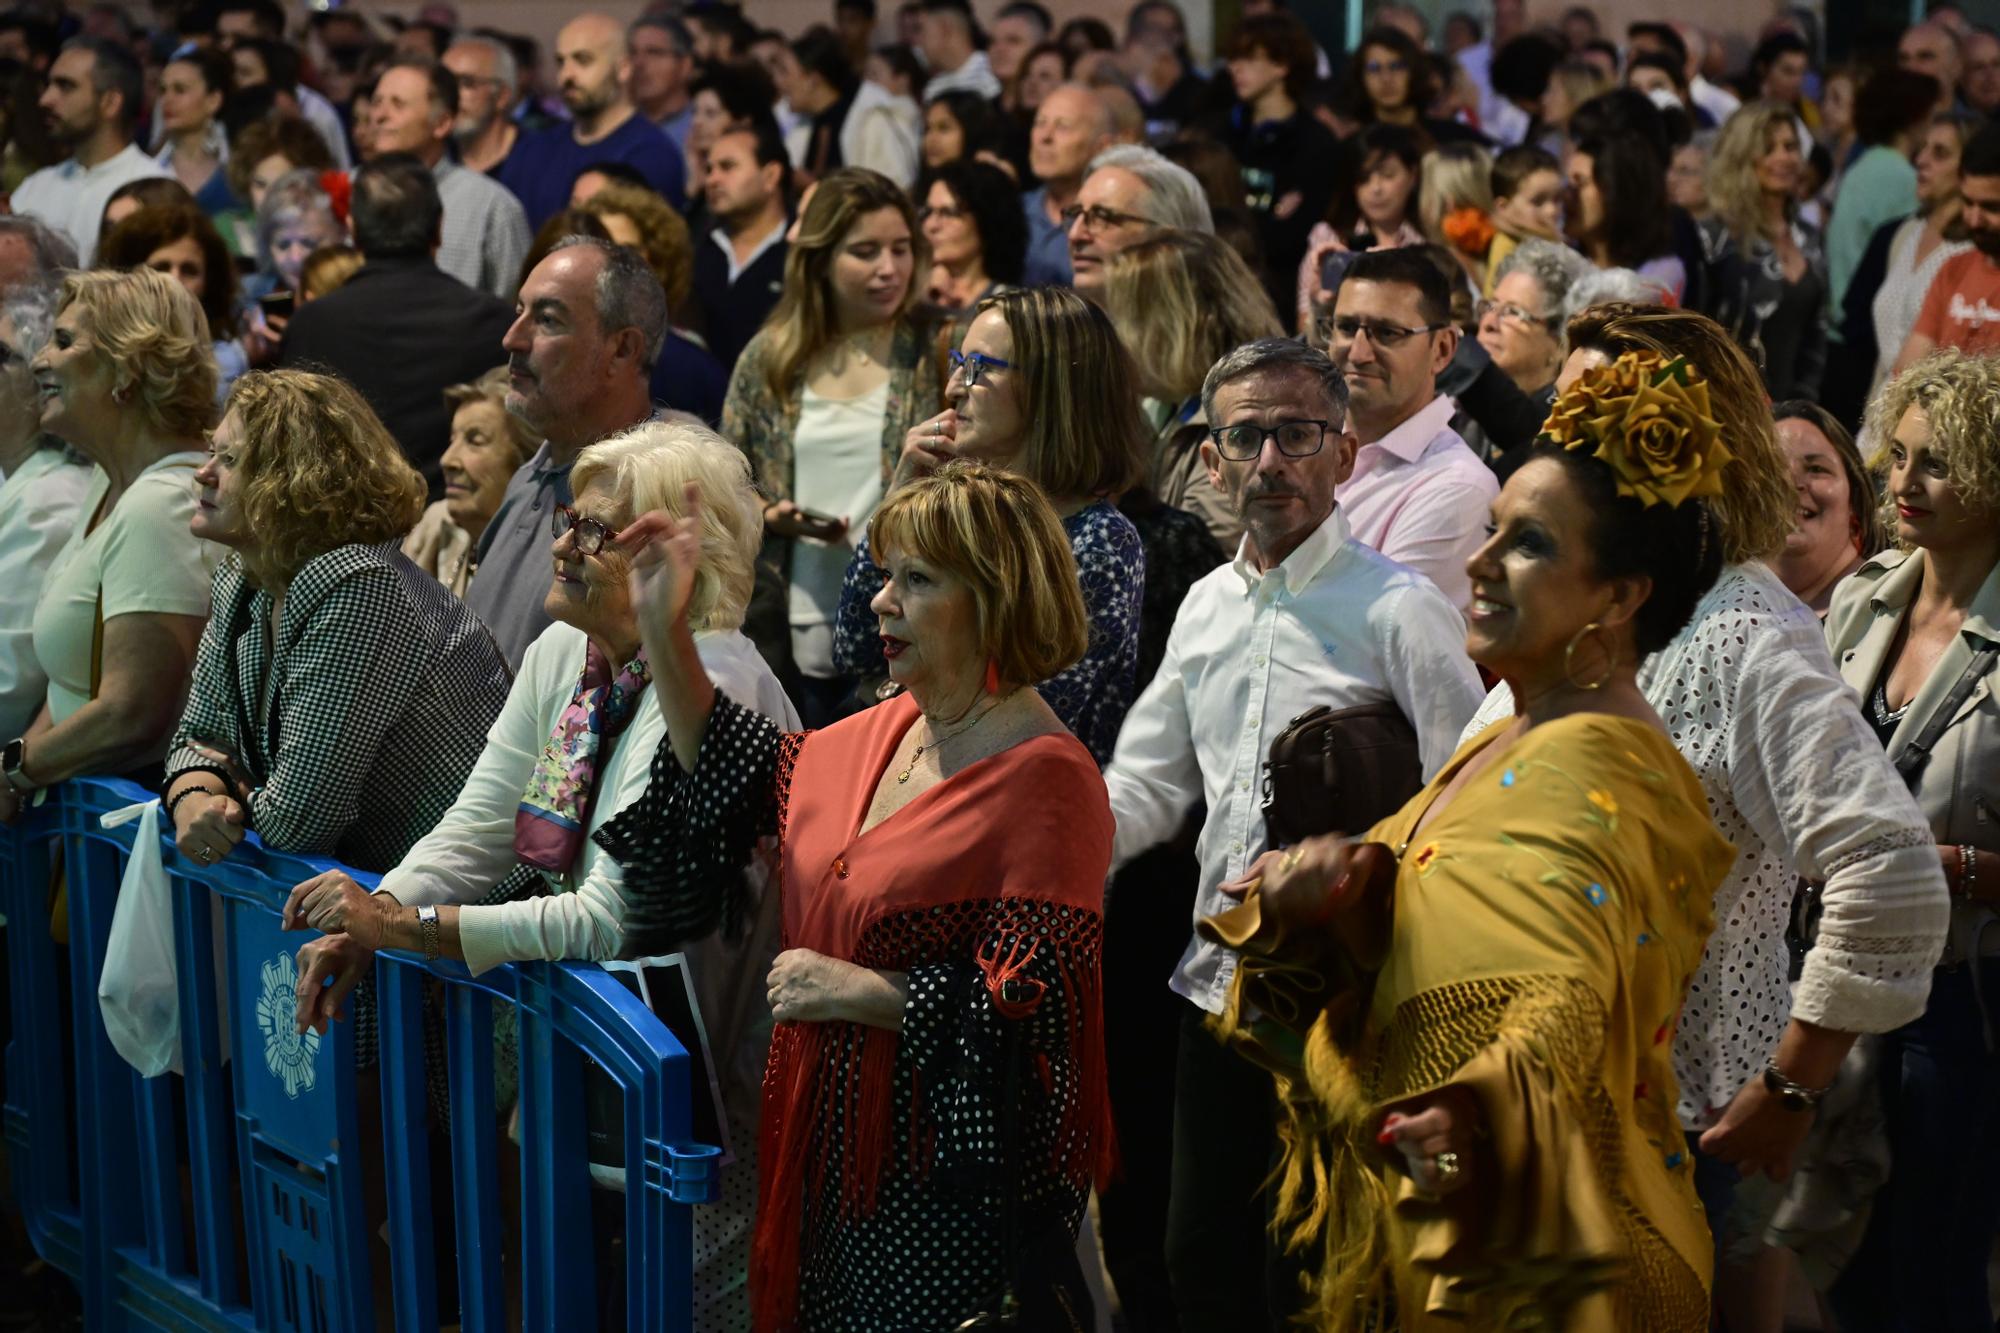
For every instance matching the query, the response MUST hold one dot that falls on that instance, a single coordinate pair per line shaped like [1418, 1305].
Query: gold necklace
[918, 753]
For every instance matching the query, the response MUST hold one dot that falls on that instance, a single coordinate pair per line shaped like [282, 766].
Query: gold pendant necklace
[918, 753]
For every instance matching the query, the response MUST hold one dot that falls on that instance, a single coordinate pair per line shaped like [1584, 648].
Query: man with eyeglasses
[1130, 193]
[1072, 126]
[1305, 616]
[487, 76]
[1419, 495]
[590, 322]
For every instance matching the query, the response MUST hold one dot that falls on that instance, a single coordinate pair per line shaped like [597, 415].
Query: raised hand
[928, 447]
[665, 553]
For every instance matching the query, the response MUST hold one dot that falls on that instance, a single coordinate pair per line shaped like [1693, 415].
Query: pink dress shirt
[1420, 496]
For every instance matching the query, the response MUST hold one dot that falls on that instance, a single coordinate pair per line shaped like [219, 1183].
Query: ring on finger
[1291, 859]
[1445, 1167]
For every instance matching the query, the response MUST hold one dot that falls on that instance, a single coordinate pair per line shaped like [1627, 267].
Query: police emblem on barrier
[288, 1054]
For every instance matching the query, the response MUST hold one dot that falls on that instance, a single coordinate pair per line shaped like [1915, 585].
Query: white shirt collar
[1305, 562]
[721, 237]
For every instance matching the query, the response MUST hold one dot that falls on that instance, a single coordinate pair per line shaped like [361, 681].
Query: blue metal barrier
[152, 1192]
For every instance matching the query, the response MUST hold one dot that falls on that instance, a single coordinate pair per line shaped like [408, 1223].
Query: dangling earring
[1569, 652]
[992, 675]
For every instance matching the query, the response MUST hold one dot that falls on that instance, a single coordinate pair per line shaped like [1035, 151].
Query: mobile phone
[816, 524]
[278, 303]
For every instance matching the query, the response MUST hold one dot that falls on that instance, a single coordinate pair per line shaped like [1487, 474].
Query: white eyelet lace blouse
[1796, 780]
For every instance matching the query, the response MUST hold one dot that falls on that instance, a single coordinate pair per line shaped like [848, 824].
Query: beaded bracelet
[173, 803]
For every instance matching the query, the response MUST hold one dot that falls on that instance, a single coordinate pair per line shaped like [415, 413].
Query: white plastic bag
[138, 991]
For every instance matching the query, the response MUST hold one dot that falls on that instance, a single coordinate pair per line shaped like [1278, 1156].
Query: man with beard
[594, 68]
[90, 106]
[739, 268]
[485, 235]
[580, 355]
[1962, 308]
[1419, 495]
[1306, 615]
[488, 77]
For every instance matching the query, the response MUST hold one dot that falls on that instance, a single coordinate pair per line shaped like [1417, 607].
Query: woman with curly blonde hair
[1916, 631]
[127, 378]
[1768, 283]
[372, 686]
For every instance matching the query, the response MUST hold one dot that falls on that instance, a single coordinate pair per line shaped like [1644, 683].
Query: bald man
[1932, 48]
[594, 72]
[1073, 125]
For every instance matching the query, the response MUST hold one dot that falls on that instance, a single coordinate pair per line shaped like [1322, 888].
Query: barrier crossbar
[233, 1196]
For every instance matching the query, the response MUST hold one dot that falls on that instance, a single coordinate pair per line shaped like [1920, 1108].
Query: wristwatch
[12, 757]
[427, 922]
[1792, 1096]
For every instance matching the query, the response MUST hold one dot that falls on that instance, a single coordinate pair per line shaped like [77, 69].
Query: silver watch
[427, 921]
[1792, 1096]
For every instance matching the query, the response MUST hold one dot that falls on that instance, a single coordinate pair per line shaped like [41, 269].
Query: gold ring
[1446, 1168]
[1291, 859]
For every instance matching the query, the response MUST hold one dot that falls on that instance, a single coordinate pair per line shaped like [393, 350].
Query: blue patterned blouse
[1091, 697]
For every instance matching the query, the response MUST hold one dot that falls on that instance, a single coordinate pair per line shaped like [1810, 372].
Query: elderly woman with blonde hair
[373, 685]
[487, 446]
[571, 749]
[127, 378]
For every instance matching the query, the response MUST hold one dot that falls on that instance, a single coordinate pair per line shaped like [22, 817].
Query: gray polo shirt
[515, 567]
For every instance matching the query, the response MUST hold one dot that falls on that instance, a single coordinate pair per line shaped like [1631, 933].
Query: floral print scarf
[555, 809]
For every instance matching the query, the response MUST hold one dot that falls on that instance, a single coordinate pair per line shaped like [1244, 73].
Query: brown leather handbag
[1339, 770]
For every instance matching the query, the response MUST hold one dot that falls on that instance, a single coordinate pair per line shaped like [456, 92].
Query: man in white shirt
[955, 61]
[485, 237]
[90, 106]
[1418, 495]
[1305, 615]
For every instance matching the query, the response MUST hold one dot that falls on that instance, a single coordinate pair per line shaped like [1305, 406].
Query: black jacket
[733, 311]
[402, 332]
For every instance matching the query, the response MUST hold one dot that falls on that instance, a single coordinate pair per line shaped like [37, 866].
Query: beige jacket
[1959, 792]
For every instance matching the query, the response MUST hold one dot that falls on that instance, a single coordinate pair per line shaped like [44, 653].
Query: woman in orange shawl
[934, 1107]
[1470, 1010]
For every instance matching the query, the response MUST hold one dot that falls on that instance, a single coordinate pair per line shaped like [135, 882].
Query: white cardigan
[472, 847]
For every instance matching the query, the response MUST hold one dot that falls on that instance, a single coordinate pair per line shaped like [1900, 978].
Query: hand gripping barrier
[232, 1198]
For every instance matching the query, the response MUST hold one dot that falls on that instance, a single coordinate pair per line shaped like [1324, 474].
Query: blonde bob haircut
[649, 467]
[997, 532]
[320, 470]
[1959, 396]
[1079, 393]
[1179, 300]
[1454, 176]
[1733, 191]
[156, 340]
[805, 323]
[1758, 505]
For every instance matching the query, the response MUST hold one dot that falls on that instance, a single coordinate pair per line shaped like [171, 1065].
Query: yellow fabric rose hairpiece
[1648, 418]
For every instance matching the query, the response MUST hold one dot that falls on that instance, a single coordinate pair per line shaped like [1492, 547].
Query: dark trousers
[1922, 1265]
[1227, 1274]
[1146, 917]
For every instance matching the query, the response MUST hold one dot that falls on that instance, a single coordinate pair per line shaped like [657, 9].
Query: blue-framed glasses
[976, 366]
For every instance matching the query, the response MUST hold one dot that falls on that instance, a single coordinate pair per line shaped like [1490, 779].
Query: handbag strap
[1914, 756]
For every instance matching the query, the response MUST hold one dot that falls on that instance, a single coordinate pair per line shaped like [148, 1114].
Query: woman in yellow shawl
[1470, 1011]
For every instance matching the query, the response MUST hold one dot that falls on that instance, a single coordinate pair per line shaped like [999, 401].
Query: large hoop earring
[1569, 653]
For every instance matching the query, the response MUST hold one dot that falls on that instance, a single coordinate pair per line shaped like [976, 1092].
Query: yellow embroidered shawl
[1546, 925]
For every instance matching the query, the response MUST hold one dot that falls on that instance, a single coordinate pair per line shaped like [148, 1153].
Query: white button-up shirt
[1334, 624]
[70, 197]
[1420, 496]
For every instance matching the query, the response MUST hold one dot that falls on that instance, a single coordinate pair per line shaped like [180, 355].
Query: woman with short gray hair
[41, 503]
[1520, 325]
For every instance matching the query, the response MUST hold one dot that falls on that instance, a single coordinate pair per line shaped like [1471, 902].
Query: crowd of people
[1378, 671]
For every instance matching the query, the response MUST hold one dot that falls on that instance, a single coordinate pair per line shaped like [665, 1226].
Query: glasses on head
[1510, 312]
[1296, 439]
[589, 535]
[949, 212]
[976, 366]
[1099, 217]
[1346, 328]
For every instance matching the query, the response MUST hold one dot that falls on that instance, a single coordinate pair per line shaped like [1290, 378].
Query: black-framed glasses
[1510, 311]
[590, 535]
[975, 366]
[1100, 218]
[1296, 439]
[1346, 328]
